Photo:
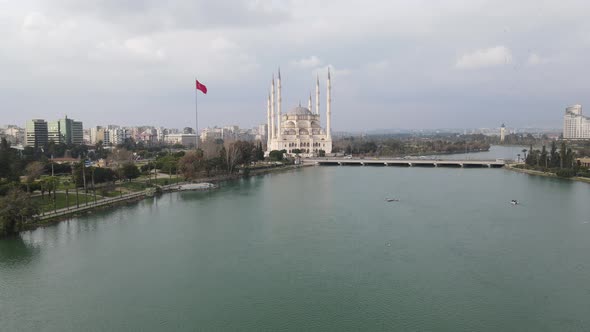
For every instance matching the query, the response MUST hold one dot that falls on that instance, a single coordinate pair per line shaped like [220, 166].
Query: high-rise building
[53, 132]
[36, 133]
[116, 135]
[96, 134]
[65, 131]
[77, 132]
[502, 133]
[575, 125]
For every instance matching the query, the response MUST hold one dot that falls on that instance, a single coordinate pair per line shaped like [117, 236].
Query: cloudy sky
[396, 64]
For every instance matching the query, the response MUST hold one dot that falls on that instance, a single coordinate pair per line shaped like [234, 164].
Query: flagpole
[196, 117]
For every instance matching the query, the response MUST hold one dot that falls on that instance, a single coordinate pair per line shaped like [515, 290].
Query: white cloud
[132, 49]
[535, 59]
[377, 67]
[489, 57]
[383, 46]
[322, 71]
[310, 62]
[34, 21]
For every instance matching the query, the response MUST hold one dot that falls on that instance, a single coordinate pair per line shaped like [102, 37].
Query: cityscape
[275, 165]
[38, 132]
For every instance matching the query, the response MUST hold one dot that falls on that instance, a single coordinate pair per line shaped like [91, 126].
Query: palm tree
[66, 184]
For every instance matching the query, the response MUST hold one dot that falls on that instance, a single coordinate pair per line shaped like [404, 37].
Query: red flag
[201, 87]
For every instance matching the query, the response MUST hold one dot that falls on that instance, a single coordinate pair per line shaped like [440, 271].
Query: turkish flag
[201, 87]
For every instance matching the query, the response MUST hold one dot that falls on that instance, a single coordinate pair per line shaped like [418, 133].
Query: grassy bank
[47, 204]
[546, 174]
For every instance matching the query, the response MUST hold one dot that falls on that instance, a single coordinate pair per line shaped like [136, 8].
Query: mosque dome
[299, 111]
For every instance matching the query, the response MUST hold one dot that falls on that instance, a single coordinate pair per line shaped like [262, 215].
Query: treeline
[562, 162]
[410, 145]
[29, 171]
[218, 157]
[520, 139]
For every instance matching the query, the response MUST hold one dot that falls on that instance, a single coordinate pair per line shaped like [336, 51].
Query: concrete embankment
[60, 214]
[51, 217]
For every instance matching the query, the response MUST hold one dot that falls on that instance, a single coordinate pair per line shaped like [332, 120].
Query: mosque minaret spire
[329, 108]
[272, 108]
[317, 96]
[268, 122]
[309, 103]
[279, 101]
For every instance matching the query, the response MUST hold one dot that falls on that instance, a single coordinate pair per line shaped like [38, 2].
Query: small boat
[514, 202]
[392, 200]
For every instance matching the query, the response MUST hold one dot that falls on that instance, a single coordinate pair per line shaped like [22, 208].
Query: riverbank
[48, 219]
[545, 174]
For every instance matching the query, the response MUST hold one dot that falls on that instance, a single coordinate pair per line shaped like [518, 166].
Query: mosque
[300, 128]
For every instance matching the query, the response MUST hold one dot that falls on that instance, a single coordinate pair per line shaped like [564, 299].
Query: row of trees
[219, 158]
[402, 145]
[562, 161]
[22, 173]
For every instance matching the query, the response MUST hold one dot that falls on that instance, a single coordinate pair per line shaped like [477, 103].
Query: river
[315, 249]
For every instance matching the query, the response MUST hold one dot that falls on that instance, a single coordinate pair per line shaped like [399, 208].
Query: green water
[315, 249]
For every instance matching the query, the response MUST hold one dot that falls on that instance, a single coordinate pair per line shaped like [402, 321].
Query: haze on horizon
[410, 64]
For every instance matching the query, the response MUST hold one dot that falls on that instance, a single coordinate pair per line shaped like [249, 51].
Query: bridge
[399, 162]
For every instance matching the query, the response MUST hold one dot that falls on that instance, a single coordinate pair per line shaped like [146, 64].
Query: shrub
[566, 173]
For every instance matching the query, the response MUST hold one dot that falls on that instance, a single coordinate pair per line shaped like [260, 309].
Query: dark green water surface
[315, 249]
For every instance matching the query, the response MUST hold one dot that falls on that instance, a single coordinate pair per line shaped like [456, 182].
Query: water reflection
[14, 251]
[241, 186]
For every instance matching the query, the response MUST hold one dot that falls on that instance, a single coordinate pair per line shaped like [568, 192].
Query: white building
[212, 133]
[502, 133]
[116, 135]
[575, 125]
[300, 128]
[261, 132]
[183, 139]
[13, 134]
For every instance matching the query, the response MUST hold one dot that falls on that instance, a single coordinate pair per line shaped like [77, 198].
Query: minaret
[272, 108]
[279, 100]
[317, 96]
[268, 123]
[309, 103]
[328, 108]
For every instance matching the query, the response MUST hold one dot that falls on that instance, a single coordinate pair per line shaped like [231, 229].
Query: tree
[129, 171]
[10, 166]
[15, 209]
[543, 157]
[554, 155]
[562, 155]
[102, 175]
[191, 164]
[120, 156]
[33, 171]
[232, 156]
[259, 152]
[246, 152]
[276, 155]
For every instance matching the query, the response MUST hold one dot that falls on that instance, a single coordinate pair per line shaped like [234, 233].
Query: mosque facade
[299, 130]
